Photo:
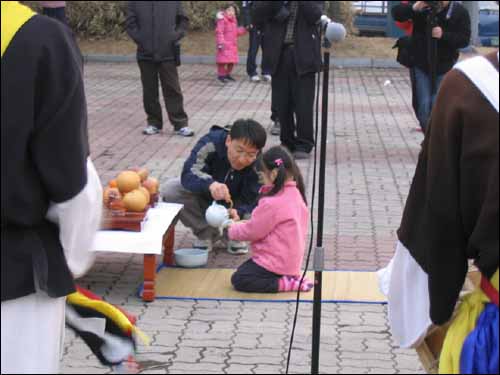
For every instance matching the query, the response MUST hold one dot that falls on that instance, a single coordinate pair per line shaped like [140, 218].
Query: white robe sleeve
[406, 286]
[78, 220]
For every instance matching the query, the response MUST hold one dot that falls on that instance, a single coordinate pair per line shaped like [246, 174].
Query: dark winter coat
[307, 38]
[155, 26]
[456, 25]
[208, 163]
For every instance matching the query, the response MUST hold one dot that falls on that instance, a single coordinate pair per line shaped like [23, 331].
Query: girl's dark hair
[229, 5]
[280, 158]
[249, 131]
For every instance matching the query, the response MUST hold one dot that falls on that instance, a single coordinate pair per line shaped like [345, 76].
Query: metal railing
[371, 7]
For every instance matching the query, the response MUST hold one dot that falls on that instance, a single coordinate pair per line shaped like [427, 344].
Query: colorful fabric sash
[116, 340]
[471, 342]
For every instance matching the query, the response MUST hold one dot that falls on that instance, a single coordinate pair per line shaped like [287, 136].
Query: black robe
[44, 149]
[451, 214]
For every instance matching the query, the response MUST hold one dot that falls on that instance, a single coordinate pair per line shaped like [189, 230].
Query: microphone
[334, 32]
[324, 20]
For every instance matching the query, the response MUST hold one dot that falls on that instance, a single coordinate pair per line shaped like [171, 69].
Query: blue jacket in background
[208, 163]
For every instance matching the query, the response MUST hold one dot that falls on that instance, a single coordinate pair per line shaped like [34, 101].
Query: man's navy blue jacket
[209, 163]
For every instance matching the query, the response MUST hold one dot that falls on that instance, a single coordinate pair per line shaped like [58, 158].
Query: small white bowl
[191, 258]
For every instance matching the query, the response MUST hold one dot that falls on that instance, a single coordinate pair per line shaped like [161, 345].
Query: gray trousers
[167, 74]
[193, 213]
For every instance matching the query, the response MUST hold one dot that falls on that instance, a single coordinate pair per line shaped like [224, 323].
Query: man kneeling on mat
[220, 168]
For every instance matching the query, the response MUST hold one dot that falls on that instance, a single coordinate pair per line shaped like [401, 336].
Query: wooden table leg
[148, 293]
[168, 246]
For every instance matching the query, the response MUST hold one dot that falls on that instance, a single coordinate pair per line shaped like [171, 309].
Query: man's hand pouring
[220, 192]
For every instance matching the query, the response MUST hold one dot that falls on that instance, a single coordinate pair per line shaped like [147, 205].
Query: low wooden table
[148, 292]
[156, 238]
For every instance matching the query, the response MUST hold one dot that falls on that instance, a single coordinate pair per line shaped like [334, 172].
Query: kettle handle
[231, 204]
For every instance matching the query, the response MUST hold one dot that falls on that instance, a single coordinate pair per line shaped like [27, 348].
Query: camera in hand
[432, 9]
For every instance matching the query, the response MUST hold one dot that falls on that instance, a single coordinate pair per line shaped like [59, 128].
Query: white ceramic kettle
[216, 215]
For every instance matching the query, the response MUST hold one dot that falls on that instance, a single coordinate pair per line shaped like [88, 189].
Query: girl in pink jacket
[277, 230]
[226, 34]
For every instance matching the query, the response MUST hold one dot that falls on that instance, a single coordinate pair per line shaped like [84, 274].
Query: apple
[142, 172]
[151, 184]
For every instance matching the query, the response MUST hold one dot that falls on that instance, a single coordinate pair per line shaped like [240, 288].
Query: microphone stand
[319, 252]
[432, 48]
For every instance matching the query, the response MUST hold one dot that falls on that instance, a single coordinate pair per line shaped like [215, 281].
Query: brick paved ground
[372, 152]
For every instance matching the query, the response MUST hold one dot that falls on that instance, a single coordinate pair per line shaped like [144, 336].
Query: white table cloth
[148, 240]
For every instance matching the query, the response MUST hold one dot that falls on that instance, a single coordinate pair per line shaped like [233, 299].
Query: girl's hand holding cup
[233, 214]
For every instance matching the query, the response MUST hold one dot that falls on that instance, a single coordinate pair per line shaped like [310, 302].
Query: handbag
[405, 51]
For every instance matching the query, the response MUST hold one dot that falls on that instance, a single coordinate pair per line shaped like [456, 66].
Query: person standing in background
[54, 9]
[156, 27]
[449, 31]
[294, 55]
[227, 33]
[255, 40]
[257, 37]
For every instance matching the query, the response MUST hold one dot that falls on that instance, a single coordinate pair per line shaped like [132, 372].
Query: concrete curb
[335, 62]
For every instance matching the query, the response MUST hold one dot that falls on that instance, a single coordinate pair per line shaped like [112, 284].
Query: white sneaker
[150, 130]
[185, 132]
[255, 78]
[207, 245]
[266, 78]
[237, 247]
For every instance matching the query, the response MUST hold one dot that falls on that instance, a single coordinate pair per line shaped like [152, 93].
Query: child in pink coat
[226, 34]
[277, 230]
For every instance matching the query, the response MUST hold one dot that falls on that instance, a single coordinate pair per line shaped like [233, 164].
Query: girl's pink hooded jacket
[277, 231]
[226, 34]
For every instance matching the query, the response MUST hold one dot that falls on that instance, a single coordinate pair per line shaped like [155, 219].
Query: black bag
[177, 53]
[405, 51]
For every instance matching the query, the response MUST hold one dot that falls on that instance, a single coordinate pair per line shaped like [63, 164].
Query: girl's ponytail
[297, 175]
[278, 158]
[279, 183]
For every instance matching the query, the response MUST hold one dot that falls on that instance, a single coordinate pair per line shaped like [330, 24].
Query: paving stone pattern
[372, 151]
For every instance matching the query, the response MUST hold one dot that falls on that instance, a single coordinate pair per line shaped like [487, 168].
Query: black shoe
[301, 155]
[229, 78]
[276, 129]
[222, 79]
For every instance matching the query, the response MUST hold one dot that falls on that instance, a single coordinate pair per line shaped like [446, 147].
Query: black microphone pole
[319, 254]
[432, 48]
